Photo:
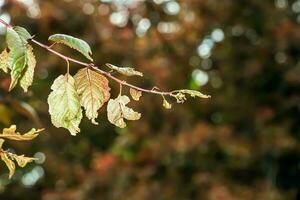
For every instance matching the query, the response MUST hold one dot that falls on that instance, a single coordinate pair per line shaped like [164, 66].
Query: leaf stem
[93, 67]
[121, 87]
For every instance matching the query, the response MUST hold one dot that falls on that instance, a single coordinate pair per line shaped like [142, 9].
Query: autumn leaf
[1, 143]
[127, 71]
[135, 94]
[9, 163]
[75, 43]
[93, 91]
[64, 104]
[117, 111]
[27, 79]
[11, 134]
[22, 160]
[3, 61]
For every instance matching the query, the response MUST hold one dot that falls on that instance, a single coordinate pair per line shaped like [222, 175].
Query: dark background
[243, 143]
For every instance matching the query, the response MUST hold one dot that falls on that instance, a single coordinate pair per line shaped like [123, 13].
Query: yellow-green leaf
[11, 134]
[9, 163]
[193, 93]
[166, 104]
[75, 43]
[27, 79]
[22, 160]
[64, 104]
[93, 91]
[23, 33]
[117, 111]
[127, 71]
[17, 63]
[14, 40]
[4, 60]
[17, 55]
[135, 94]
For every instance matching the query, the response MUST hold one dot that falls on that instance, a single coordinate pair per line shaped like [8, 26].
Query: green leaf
[23, 34]
[27, 79]
[127, 71]
[93, 91]
[14, 41]
[117, 111]
[17, 62]
[17, 56]
[74, 43]
[4, 60]
[64, 104]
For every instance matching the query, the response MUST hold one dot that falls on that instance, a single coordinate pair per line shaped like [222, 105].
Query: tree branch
[93, 67]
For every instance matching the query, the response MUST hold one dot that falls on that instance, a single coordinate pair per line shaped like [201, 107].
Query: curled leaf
[194, 93]
[64, 104]
[4, 60]
[93, 91]
[117, 111]
[9, 163]
[127, 71]
[180, 97]
[166, 104]
[75, 43]
[22, 160]
[135, 94]
[11, 134]
[27, 79]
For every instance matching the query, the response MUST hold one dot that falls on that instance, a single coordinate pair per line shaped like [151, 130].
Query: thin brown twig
[93, 67]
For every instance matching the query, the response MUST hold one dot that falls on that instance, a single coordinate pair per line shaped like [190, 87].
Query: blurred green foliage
[241, 144]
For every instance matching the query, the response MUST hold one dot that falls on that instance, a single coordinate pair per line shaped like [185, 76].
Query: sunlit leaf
[14, 40]
[17, 56]
[166, 104]
[93, 91]
[135, 94]
[127, 71]
[23, 33]
[4, 60]
[11, 134]
[9, 163]
[27, 79]
[117, 111]
[64, 104]
[74, 43]
[17, 64]
[22, 160]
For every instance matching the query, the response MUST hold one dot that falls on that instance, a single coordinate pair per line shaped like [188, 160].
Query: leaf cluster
[8, 157]
[87, 91]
